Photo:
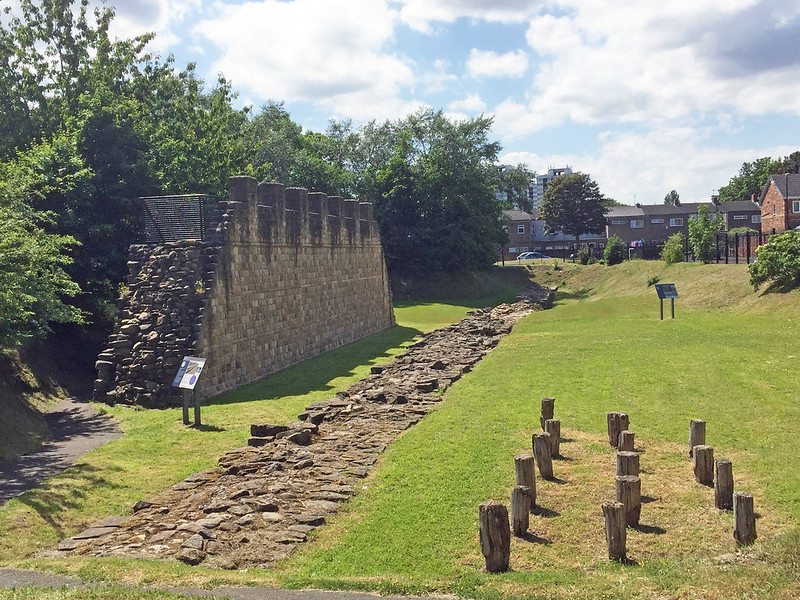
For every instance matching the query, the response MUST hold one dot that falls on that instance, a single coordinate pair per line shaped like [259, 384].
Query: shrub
[672, 252]
[615, 250]
[584, 254]
[653, 280]
[778, 261]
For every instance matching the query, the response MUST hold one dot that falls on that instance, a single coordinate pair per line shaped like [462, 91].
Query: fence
[176, 218]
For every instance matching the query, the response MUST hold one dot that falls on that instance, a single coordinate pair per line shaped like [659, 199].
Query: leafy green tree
[33, 281]
[573, 205]
[434, 199]
[614, 252]
[777, 261]
[790, 164]
[751, 180]
[672, 252]
[702, 230]
[514, 183]
[672, 198]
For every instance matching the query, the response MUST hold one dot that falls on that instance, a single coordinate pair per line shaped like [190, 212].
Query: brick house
[780, 203]
[518, 226]
[740, 213]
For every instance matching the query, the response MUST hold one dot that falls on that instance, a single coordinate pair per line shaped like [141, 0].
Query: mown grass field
[730, 357]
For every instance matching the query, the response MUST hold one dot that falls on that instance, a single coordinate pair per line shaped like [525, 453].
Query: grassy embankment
[729, 358]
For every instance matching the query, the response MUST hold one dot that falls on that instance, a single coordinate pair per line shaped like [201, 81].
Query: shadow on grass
[208, 428]
[315, 373]
[547, 513]
[562, 295]
[652, 529]
[648, 499]
[535, 539]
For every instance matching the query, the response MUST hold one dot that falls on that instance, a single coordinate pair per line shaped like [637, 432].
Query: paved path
[12, 578]
[75, 429]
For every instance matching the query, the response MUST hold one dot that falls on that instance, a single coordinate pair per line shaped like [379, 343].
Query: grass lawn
[729, 358]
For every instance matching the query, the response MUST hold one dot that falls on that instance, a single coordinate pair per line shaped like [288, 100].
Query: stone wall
[283, 275]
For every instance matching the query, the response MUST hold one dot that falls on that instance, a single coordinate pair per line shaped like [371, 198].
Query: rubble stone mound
[265, 498]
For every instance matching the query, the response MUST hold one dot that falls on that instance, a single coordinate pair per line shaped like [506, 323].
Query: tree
[614, 252]
[778, 261]
[672, 198]
[513, 184]
[751, 180]
[33, 280]
[573, 205]
[702, 230]
[672, 252]
[790, 164]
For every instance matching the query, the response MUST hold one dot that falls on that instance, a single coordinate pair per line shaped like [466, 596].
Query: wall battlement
[282, 275]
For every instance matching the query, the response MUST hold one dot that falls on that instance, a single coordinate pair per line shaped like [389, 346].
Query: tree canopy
[672, 197]
[574, 205]
[702, 231]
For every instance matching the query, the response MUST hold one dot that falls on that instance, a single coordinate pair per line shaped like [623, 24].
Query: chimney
[714, 199]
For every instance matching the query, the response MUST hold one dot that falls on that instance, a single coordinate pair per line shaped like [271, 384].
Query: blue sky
[644, 96]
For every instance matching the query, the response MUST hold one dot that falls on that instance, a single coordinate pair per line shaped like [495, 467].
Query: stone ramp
[266, 498]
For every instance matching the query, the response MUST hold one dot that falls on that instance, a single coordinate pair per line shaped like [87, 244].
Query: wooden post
[617, 422]
[625, 441]
[697, 434]
[525, 471]
[541, 450]
[703, 462]
[723, 484]
[629, 492]
[553, 427]
[744, 519]
[520, 509]
[494, 535]
[614, 513]
[628, 463]
[548, 410]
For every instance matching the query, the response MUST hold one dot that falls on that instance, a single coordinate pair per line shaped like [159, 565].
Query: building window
[676, 222]
[773, 209]
[520, 229]
[618, 222]
[739, 217]
[637, 223]
[755, 219]
[796, 206]
[656, 221]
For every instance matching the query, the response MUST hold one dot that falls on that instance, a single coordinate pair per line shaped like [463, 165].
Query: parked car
[530, 255]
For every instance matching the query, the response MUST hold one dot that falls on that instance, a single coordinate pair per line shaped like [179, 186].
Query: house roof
[517, 215]
[738, 206]
[788, 186]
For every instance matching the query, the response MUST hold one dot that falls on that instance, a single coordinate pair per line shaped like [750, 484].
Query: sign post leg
[661, 301]
[185, 394]
[672, 300]
[196, 408]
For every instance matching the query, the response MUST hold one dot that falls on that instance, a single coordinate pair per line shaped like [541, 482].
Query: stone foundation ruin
[281, 275]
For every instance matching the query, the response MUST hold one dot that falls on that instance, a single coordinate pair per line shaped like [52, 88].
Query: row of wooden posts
[619, 514]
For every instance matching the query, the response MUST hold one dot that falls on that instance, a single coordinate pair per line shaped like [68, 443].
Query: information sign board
[666, 290]
[189, 372]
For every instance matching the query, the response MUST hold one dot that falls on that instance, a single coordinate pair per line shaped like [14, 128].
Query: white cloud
[163, 17]
[331, 53]
[420, 14]
[486, 63]
[471, 104]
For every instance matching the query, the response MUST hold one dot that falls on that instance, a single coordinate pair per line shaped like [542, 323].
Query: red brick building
[780, 203]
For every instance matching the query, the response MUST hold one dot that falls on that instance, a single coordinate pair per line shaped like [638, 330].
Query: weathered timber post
[628, 463]
[614, 513]
[553, 427]
[744, 519]
[703, 462]
[697, 434]
[520, 509]
[629, 492]
[525, 472]
[625, 440]
[541, 450]
[617, 422]
[723, 484]
[548, 410]
[494, 535]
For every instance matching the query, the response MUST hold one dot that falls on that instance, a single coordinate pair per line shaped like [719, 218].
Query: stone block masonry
[283, 275]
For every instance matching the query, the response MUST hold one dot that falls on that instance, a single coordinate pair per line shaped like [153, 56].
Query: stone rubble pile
[265, 498]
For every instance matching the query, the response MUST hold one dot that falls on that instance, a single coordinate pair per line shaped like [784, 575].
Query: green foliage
[614, 252]
[672, 252]
[573, 205]
[702, 230]
[778, 261]
[751, 180]
[740, 231]
[672, 198]
[434, 198]
[652, 280]
[33, 280]
[513, 183]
